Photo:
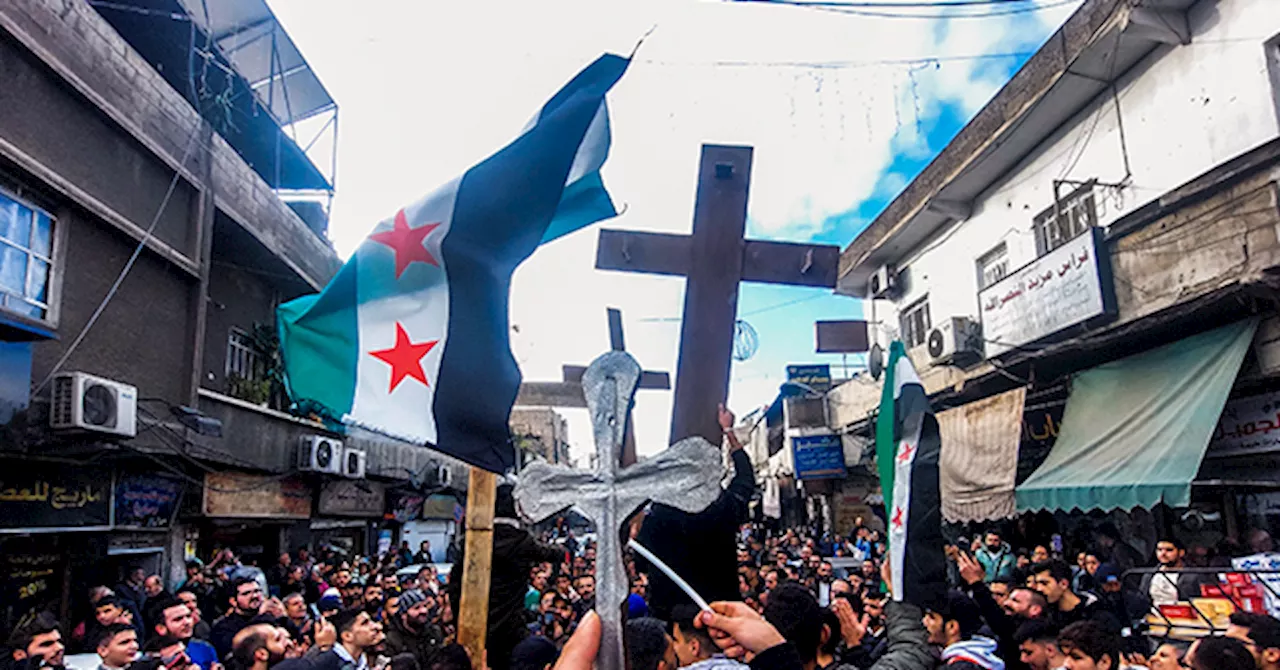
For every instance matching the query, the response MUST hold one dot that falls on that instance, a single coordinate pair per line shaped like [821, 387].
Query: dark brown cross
[714, 259]
[568, 393]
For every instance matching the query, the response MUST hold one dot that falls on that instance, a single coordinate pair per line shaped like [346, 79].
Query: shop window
[26, 258]
[915, 323]
[1065, 219]
[993, 266]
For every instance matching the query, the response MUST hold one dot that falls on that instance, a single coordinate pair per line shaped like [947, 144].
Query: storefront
[55, 521]
[347, 517]
[250, 514]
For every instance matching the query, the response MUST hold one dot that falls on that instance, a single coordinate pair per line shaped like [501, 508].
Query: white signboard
[1065, 287]
[1248, 426]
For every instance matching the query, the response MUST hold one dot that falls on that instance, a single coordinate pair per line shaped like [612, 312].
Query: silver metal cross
[685, 476]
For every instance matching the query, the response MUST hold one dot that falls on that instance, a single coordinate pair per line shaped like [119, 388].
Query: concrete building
[540, 432]
[144, 241]
[1113, 206]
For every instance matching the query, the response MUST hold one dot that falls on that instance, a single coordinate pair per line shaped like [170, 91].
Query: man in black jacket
[515, 552]
[669, 533]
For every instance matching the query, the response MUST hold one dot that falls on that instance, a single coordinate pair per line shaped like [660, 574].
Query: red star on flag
[405, 358]
[407, 243]
[897, 517]
[904, 453]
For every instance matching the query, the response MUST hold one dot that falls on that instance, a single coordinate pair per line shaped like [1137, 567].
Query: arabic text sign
[146, 500]
[817, 376]
[1248, 425]
[240, 495]
[1065, 287]
[343, 497]
[818, 457]
[39, 496]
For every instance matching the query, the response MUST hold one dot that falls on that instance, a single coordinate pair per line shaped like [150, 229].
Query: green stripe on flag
[886, 425]
[319, 342]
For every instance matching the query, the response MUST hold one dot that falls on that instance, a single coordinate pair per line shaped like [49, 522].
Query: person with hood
[411, 630]
[953, 624]
[996, 557]
[669, 533]
[515, 552]
[694, 648]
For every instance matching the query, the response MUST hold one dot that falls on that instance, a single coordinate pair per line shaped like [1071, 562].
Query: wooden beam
[635, 251]
[711, 297]
[550, 394]
[790, 263]
[648, 379]
[473, 606]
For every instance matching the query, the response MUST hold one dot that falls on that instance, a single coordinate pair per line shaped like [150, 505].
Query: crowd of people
[802, 600]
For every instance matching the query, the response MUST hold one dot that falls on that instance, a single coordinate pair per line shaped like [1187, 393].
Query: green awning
[1135, 430]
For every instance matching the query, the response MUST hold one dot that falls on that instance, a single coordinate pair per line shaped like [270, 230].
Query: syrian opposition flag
[410, 338]
[907, 451]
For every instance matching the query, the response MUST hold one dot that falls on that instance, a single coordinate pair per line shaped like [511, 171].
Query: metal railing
[1224, 592]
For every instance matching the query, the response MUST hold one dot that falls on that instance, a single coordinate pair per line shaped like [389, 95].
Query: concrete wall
[1184, 109]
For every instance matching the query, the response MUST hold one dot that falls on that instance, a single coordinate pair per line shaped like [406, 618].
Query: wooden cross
[568, 393]
[714, 259]
[686, 476]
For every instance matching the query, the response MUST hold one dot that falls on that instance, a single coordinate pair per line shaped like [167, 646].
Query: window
[993, 266]
[916, 324]
[1066, 219]
[26, 258]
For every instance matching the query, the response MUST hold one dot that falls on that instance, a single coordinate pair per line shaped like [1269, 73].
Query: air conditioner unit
[882, 283]
[954, 337]
[84, 402]
[319, 453]
[353, 464]
[444, 475]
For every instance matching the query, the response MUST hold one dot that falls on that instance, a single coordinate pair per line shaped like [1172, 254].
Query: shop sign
[341, 497]
[817, 377]
[146, 500]
[1065, 287]
[818, 456]
[1248, 426]
[245, 496]
[439, 506]
[43, 496]
[406, 507]
[135, 543]
[32, 582]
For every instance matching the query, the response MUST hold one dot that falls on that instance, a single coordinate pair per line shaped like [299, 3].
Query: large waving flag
[410, 338]
[907, 451]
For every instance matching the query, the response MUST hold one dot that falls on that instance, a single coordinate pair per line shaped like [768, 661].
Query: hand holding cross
[685, 476]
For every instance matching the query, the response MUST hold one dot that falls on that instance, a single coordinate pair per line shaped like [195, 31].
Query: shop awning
[1135, 430]
[979, 462]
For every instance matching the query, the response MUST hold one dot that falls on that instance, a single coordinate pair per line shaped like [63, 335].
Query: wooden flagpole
[473, 617]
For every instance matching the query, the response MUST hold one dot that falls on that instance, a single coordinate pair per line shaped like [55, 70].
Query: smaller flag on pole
[908, 446]
[411, 337]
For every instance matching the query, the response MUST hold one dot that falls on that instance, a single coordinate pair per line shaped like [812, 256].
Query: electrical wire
[124, 272]
[880, 10]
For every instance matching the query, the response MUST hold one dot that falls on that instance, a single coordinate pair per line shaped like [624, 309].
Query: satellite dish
[875, 361]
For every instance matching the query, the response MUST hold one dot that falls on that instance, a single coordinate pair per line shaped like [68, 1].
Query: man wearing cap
[954, 626]
[411, 630]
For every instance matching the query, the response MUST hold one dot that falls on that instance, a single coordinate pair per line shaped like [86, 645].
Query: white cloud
[427, 89]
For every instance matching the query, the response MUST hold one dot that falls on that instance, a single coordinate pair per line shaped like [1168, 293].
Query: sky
[843, 109]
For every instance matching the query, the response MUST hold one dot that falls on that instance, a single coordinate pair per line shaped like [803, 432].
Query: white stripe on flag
[420, 305]
[904, 374]
[594, 148]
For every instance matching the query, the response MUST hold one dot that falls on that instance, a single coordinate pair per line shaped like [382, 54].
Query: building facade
[1109, 217]
[144, 246]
